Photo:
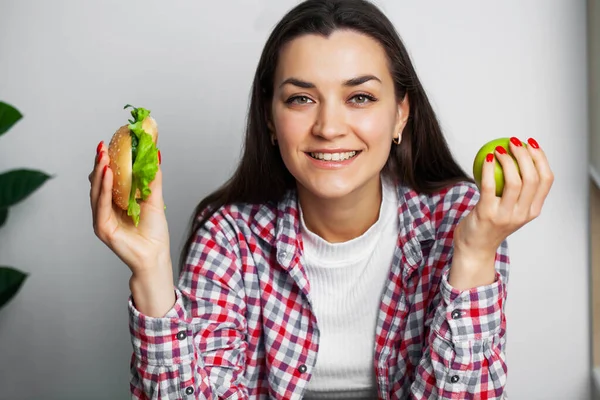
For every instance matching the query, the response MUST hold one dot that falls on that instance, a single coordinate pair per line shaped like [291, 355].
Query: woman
[349, 256]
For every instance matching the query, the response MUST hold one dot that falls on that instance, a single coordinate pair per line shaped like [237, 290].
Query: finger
[105, 220]
[529, 178]
[99, 148]
[512, 181]
[545, 174]
[96, 178]
[488, 199]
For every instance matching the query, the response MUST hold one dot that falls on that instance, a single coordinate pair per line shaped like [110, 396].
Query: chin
[331, 189]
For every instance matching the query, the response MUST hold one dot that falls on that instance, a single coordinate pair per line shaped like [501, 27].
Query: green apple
[487, 148]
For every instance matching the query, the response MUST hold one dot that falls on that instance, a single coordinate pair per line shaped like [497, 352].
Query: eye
[298, 100]
[362, 99]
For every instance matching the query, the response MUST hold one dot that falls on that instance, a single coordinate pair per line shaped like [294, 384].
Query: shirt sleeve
[197, 350]
[464, 356]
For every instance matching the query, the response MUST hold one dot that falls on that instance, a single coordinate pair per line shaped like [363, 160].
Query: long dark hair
[422, 161]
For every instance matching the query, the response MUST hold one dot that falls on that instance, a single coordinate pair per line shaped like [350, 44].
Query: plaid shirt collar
[416, 232]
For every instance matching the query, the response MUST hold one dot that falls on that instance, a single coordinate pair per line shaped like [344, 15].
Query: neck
[341, 220]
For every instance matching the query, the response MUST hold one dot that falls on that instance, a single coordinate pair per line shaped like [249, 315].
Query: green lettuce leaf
[145, 162]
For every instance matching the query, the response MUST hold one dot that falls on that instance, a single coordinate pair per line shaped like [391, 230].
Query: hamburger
[134, 161]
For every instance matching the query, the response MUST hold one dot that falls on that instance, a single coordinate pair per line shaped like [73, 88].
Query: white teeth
[333, 156]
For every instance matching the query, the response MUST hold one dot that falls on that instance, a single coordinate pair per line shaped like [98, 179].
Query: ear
[402, 115]
[271, 128]
[272, 134]
[269, 118]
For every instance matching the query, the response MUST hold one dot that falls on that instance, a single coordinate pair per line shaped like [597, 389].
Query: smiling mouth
[334, 156]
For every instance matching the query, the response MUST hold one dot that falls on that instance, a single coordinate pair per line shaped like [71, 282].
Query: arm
[464, 353]
[197, 349]
[464, 357]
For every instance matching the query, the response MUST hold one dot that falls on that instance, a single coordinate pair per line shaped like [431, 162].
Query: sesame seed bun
[121, 161]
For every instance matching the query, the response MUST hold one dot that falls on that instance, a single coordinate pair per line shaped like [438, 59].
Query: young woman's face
[334, 112]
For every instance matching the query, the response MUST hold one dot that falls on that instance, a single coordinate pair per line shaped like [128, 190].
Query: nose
[330, 122]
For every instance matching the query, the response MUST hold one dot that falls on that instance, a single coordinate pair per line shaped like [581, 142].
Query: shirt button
[189, 390]
[456, 314]
[181, 335]
[454, 379]
[302, 369]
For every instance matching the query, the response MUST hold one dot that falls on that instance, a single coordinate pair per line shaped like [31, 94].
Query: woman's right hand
[145, 248]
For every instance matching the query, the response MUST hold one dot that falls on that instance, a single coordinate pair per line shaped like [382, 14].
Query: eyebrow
[350, 82]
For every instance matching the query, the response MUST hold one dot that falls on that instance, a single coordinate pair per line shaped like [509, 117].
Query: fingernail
[99, 156]
[159, 158]
[99, 147]
[500, 150]
[516, 141]
[489, 157]
[104, 170]
[533, 143]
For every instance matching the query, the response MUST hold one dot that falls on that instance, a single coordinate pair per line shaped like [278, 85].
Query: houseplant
[15, 186]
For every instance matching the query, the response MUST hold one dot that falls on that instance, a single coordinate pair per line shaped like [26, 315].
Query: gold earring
[273, 140]
[396, 140]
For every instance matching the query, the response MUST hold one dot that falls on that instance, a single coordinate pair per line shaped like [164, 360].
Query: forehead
[342, 55]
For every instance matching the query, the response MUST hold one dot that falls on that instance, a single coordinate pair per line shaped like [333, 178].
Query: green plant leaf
[10, 282]
[8, 117]
[17, 184]
[3, 215]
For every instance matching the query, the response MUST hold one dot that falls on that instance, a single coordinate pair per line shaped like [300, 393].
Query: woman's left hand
[493, 219]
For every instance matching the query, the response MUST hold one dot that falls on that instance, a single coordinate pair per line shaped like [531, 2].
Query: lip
[331, 151]
[332, 165]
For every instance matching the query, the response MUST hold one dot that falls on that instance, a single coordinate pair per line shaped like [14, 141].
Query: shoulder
[459, 196]
[239, 219]
[442, 209]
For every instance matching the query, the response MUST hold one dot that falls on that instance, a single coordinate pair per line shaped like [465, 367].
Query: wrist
[150, 263]
[472, 268]
[160, 265]
[153, 289]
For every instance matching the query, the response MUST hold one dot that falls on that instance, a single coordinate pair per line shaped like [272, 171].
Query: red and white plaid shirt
[243, 326]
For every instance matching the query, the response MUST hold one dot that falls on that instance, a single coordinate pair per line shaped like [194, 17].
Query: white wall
[594, 87]
[492, 69]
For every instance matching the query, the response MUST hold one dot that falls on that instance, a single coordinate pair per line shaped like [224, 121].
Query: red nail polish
[533, 143]
[104, 170]
[500, 150]
[159, 158]
[489, 157]
[99, 156]
[516, 141]
[99, 147]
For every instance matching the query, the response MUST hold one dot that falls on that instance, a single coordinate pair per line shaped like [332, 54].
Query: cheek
[291, 131]
[376, 129]
[292, 127]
